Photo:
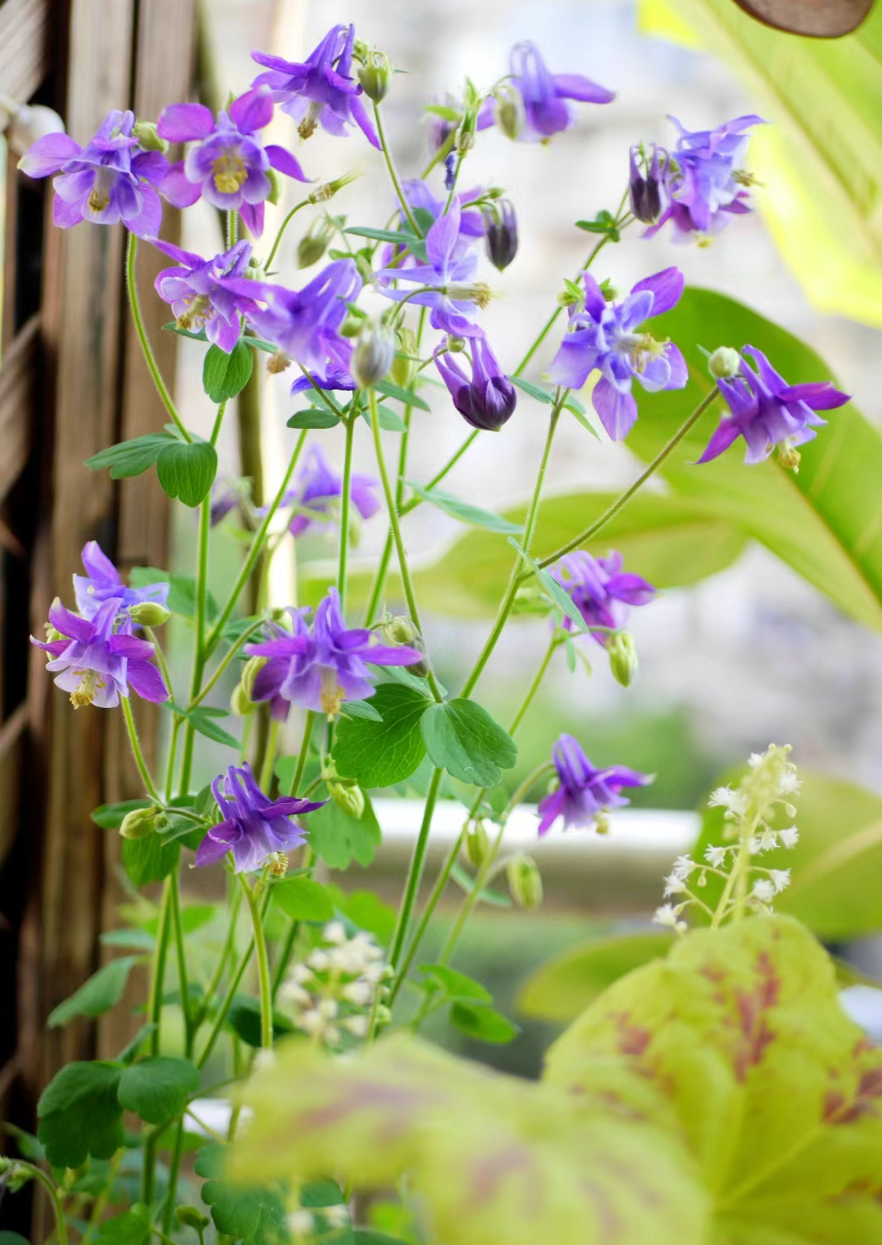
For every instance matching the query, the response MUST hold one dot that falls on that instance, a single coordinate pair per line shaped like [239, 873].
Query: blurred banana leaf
[820, 162]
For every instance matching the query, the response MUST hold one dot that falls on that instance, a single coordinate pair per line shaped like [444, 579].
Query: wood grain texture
[18, 402]
[26, 46]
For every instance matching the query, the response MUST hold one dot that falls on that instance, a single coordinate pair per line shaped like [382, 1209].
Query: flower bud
[375, 75]
[192, 1217]
[400, 631]
[348, 797]
[404, 365]
[465, 138]
[148, 136]
[250, 671]
[510, 114]
[139, 823]
[240, 702]
[646, 189]
[31, 123]
[724, 363]
[149, 614]
[456, 345]
[373, 354]
[277, 187]
[532, 600]
[501, 232]
[314, 243]
[476, 844]
[327, 190]
[524, 881]
[622, 654]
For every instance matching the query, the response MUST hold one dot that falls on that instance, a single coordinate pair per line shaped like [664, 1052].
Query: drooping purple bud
[646, 187]
[501, 232]
[487, 399]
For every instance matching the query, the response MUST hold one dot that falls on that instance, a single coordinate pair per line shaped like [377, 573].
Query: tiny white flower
[318, 960]
[301, 973]
[725, 797]
[334, 933]
[790, 837]
[780, 879]
[311, 1022]
[715, 856]
[666, 915]
[335, 1216]
[674, 885]
[291, 992]
[768, 840]
[358, 1026]
[763, 890]
[682, 867]
[327, 1008]
[357, 992]
[300, 1222]
[373, 974]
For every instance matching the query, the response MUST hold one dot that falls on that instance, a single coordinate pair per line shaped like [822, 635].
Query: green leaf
[378, 754]
[462, 738]
[79, 1114]
[482, 1022]
[224, 376]
[455, 985]
[110, 816]
[131, 458]
[253, 1214]
[541, 395]
[12, 1238]
[466, 882]
[313, 418]
[201, 336]
[149, 859]
[244, 1018]
[187, 470]
[839, 849]
[564, 987]
[102, 991]
[395, 236]
[339, 839]
[822, 521]
[360, 709]
[157, 1088]
[369, 913]
[132, 1227]
[464, 511]
[740, 1046]
[390, 390]
[388, 419]
[182, 591]
[303, 899]
[203, 721]
[495, 1158]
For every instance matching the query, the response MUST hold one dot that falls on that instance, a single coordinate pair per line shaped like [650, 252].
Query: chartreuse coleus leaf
[490, 1158]
[741, 1047]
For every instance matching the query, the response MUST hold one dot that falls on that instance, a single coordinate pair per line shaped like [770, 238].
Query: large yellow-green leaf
[820, 162]
[741, 1036]
[490, 1158]
[825, 521]
[571, 981]
[668, 540]
[836, 880]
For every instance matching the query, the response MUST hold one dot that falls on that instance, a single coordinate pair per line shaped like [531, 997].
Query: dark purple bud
[646, 188]
[487, 399]
[450, 172]
[501, 231]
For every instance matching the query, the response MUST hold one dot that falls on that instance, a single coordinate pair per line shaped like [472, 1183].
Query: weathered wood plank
[26, 46]
[17, 403]
[12, 745]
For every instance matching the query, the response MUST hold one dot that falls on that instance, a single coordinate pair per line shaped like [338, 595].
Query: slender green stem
[393, 174]
[269, 756]
[253, 553]
[529, 530]
[136, 750]
[235, 900]
[345, 504]
[622, 501]
[302, 755]
[226, 1002]
[174, 1172]
[373, 604]
[415, 872]
[55, 1196]
[177, 723]
[154, 1016]
[266, 989]
[288, 949]
[100, 1204]
[149, 358]
[232, 228]
[229, 657]
[406, 580]
[284, 225]
[199, 655]
[160, 656]
[181, 952]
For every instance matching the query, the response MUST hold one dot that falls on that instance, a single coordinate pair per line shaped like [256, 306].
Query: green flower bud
[148, 136]
[139, 823]
[314, 243]
[327, 190]
[404, 365]
[348, 798]
[149, 614]
[476, 844]
[465, 139]
[373, 354]
[375, 75]
[250, 671]
[456, 344]
[276, 186]
[192, 1217]
[531, 600]
[622, 653]
[240, 702]
[524, 881]
[724, 362]
[510, 115]
[401, 631]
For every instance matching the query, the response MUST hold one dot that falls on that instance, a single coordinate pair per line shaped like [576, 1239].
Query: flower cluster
[583, 794]
[336, 990]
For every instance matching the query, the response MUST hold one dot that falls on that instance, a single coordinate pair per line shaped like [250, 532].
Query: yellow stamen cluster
[84, 693]
[229, 172]
[643, 347]
[199, 309]
[332, 694]
[306, 128]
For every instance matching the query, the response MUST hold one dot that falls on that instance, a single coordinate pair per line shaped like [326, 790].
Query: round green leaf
[378, 754]
[187, 470]
[102, 991]
[226, 375]
[462, 738]
[157, 1088]
[303, 899]
[79, 1114]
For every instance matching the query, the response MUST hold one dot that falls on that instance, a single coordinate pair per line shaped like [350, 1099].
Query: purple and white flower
[112, 178]
[304, 324]
[211, 294]
[584, 793]
[487, 398]
[318, 489]
[545, 95]
[320, 90]
[98, 660]
[604, 337]
[768, 412]
[103, 582]
[601, 590]
[322, 668]
[254, 826]
[228, 164]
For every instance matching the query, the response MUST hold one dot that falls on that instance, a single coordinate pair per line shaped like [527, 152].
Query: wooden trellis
[71, 382]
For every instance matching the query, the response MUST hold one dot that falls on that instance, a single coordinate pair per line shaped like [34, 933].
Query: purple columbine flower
[321, 669]
[320, 90]
[768, 412]
[545, 94]
[210, 294]
[112, 178]
[585, 793]
[304, 324]
[705, 183]
[604, 337]
[601, 590]
[253, 826]
[317, 490]
[487, 398]
[228, 165]
[419, 195]
[449, 270]
[103, 582]
[97, 664]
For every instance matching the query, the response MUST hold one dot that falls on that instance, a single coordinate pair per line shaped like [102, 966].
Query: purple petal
[178, 189]
[71, 624]
[147, 681]
[550, 808]
[575, 86]
[621, 776]
[819, 395]
[151, 165]
[130, 646]
[384, 655]
[186, 258]
[98, 565]
[725, 435]
[665, 287]
[48, 155]
[253, 110]
[252, 214]
[679, 371]
[360, 116]
[442, 238]
[148, 221]
[179, 123]
[595, 303]
[572, 364]
[617, 411]
[283, 162]
[214, 847]
[65, 214]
